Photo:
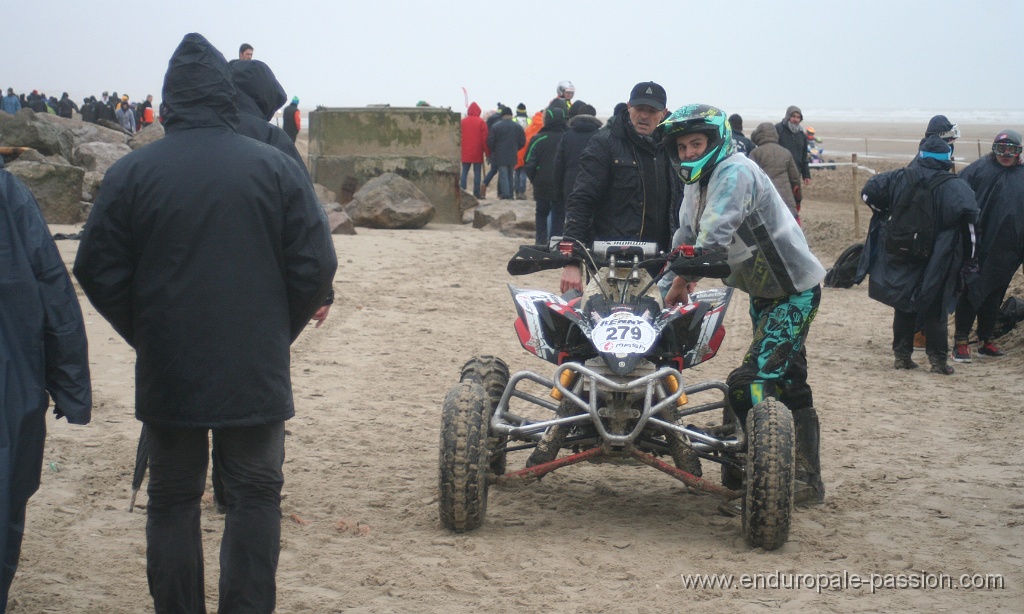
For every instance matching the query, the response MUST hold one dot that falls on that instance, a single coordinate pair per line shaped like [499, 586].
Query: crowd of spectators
[130, 115]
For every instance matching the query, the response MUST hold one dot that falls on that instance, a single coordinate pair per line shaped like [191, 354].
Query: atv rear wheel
[462, 476]
[492, 374]
[768, 500]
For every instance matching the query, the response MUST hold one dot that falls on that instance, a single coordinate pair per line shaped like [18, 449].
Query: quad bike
[617, 393]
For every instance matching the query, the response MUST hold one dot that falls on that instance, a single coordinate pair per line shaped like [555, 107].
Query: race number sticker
[623, 333]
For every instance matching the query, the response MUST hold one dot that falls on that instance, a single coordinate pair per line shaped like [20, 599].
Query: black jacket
[504, 140]
[288, 119]
[625, 189]
[918, 287]
[540, 156]
[259, 95]
[796, 143]
[208, 252]
[999, 191]
[570, 150]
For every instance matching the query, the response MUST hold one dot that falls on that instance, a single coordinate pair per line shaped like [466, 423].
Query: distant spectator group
[128, 115]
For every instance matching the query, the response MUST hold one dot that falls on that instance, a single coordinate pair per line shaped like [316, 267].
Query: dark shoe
[905, 363]
[987, 348]
[961, 352]
[940, 366]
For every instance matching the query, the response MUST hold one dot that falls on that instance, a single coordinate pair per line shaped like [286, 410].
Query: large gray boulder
[99, 156]
[57, 188]
[84, 132]
[390, 201]
[27, 129]
[152, 132]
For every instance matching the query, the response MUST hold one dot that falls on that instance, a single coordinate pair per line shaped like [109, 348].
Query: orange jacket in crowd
[536, 123]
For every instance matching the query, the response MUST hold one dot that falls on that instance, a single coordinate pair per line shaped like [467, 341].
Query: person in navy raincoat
[927, 290]
[208, 252]
[43, 351]
[998, 183]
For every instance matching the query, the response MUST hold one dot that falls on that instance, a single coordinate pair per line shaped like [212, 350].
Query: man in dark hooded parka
[209, 252]
[260, 95]
[43, 351]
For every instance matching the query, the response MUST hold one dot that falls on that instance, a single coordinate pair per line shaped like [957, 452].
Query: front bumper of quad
[658, 403]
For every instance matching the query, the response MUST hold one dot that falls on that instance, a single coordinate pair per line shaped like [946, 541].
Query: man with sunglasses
[998, 183]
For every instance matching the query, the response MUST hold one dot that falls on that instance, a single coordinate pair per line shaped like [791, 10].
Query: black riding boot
[809, 487]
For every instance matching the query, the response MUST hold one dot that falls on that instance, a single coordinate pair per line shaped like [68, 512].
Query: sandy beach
[925, 474]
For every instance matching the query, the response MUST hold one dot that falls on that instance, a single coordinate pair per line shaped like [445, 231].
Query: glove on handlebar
[692, 262]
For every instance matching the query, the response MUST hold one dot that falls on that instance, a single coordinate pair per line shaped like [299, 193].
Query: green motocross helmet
[698, 118]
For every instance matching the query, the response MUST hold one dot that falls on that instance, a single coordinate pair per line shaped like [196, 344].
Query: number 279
[622, 333]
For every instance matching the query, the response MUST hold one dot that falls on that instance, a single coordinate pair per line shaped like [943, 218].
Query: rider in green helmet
[729, 203]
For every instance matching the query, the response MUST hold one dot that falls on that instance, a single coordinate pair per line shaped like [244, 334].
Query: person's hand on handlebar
[679, 293]
[572, 278]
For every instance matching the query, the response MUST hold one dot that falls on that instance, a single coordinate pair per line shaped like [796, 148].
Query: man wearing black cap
[625, 189]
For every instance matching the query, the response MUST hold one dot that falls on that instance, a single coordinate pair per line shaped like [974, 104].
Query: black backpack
[843, 272]
[912, 224]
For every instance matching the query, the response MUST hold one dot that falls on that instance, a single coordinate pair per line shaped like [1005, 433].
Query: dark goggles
[1006, 150]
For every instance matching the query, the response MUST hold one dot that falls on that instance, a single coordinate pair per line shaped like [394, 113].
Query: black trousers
[250, 461]
[936, 330]
[986, 314]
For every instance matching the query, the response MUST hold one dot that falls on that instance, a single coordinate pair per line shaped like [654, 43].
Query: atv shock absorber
[567, 379]
[672, 384]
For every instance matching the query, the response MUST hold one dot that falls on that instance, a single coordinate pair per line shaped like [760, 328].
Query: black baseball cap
[649, 93]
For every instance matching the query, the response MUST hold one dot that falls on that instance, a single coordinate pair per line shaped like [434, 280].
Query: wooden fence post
[856, 200]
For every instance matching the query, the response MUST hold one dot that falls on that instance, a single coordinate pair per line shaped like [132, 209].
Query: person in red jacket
[474, 141]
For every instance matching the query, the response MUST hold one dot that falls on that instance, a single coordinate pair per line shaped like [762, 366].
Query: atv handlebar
[686, 261]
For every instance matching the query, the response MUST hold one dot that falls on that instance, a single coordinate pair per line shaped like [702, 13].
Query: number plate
[623, 333]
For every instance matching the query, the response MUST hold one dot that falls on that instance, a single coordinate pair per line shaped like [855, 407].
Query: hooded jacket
[208, 252]
[259, 96]
[625, 189]
[540, 155]
[795, 142]
[776, 162]
[999, 191]
[570, 150]
[911, 287]
[474, 135]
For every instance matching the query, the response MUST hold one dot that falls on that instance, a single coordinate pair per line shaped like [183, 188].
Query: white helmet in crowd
[565, 86]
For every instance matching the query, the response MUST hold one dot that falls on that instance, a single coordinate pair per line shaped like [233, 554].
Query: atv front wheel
[492, 373]
[462, 478]
[768, 500]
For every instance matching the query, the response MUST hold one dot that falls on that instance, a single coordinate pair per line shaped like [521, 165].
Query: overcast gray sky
[936, 56]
